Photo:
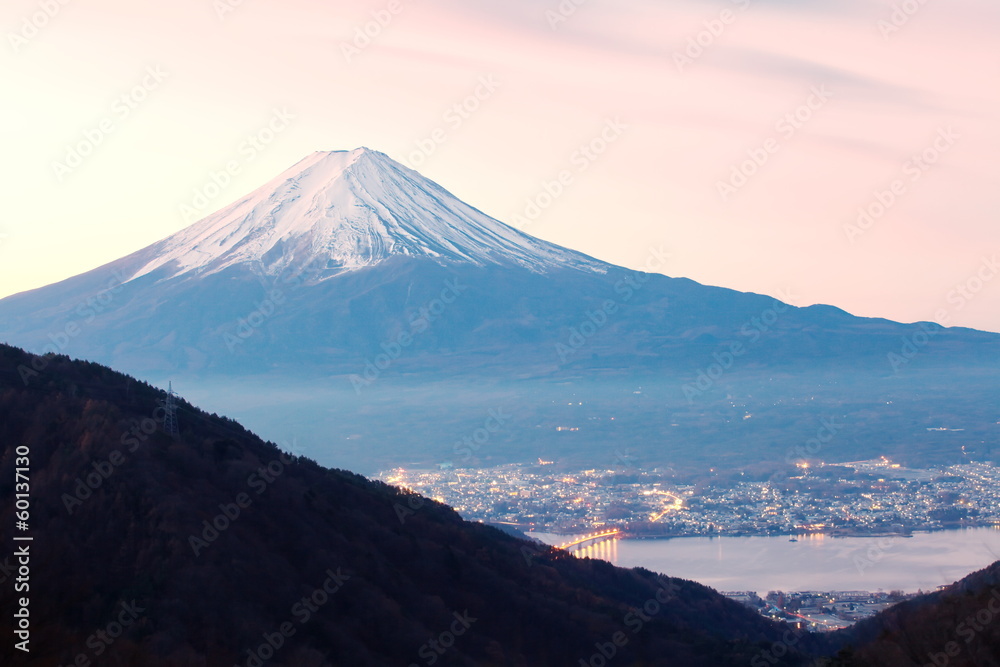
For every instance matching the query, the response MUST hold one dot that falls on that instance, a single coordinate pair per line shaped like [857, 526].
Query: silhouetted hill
[215, 548]
[958, 626]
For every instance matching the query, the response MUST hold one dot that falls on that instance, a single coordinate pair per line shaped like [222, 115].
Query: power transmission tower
[170, 412]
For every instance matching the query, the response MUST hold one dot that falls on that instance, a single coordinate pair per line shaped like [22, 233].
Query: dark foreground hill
[958, 626]
[213, 547]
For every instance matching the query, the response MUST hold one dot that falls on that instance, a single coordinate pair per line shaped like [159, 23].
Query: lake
[815, 562]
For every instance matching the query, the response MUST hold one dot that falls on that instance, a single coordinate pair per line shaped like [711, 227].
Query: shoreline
[831, 535]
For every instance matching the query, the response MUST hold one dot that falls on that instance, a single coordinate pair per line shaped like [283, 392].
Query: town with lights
[874, 497]
[594, 508]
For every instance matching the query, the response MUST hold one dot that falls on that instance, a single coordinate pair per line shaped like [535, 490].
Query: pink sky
[677, 131]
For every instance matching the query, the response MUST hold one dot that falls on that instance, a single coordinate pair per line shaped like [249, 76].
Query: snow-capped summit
[349, 209]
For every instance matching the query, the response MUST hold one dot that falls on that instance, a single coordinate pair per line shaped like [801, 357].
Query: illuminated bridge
[603, 545]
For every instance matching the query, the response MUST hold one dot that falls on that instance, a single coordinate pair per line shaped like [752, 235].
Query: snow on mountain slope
[349, 209]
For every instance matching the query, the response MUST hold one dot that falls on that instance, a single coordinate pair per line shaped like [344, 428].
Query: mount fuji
[349, 210]
[315, 266]
[362, 310]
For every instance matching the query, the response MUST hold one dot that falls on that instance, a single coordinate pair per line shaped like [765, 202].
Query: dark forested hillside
[213, 547]
[955, 627]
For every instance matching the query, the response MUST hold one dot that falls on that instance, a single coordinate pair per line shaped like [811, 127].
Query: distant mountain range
[360, 309]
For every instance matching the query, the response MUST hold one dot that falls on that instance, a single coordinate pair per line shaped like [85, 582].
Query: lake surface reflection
[815, 562]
